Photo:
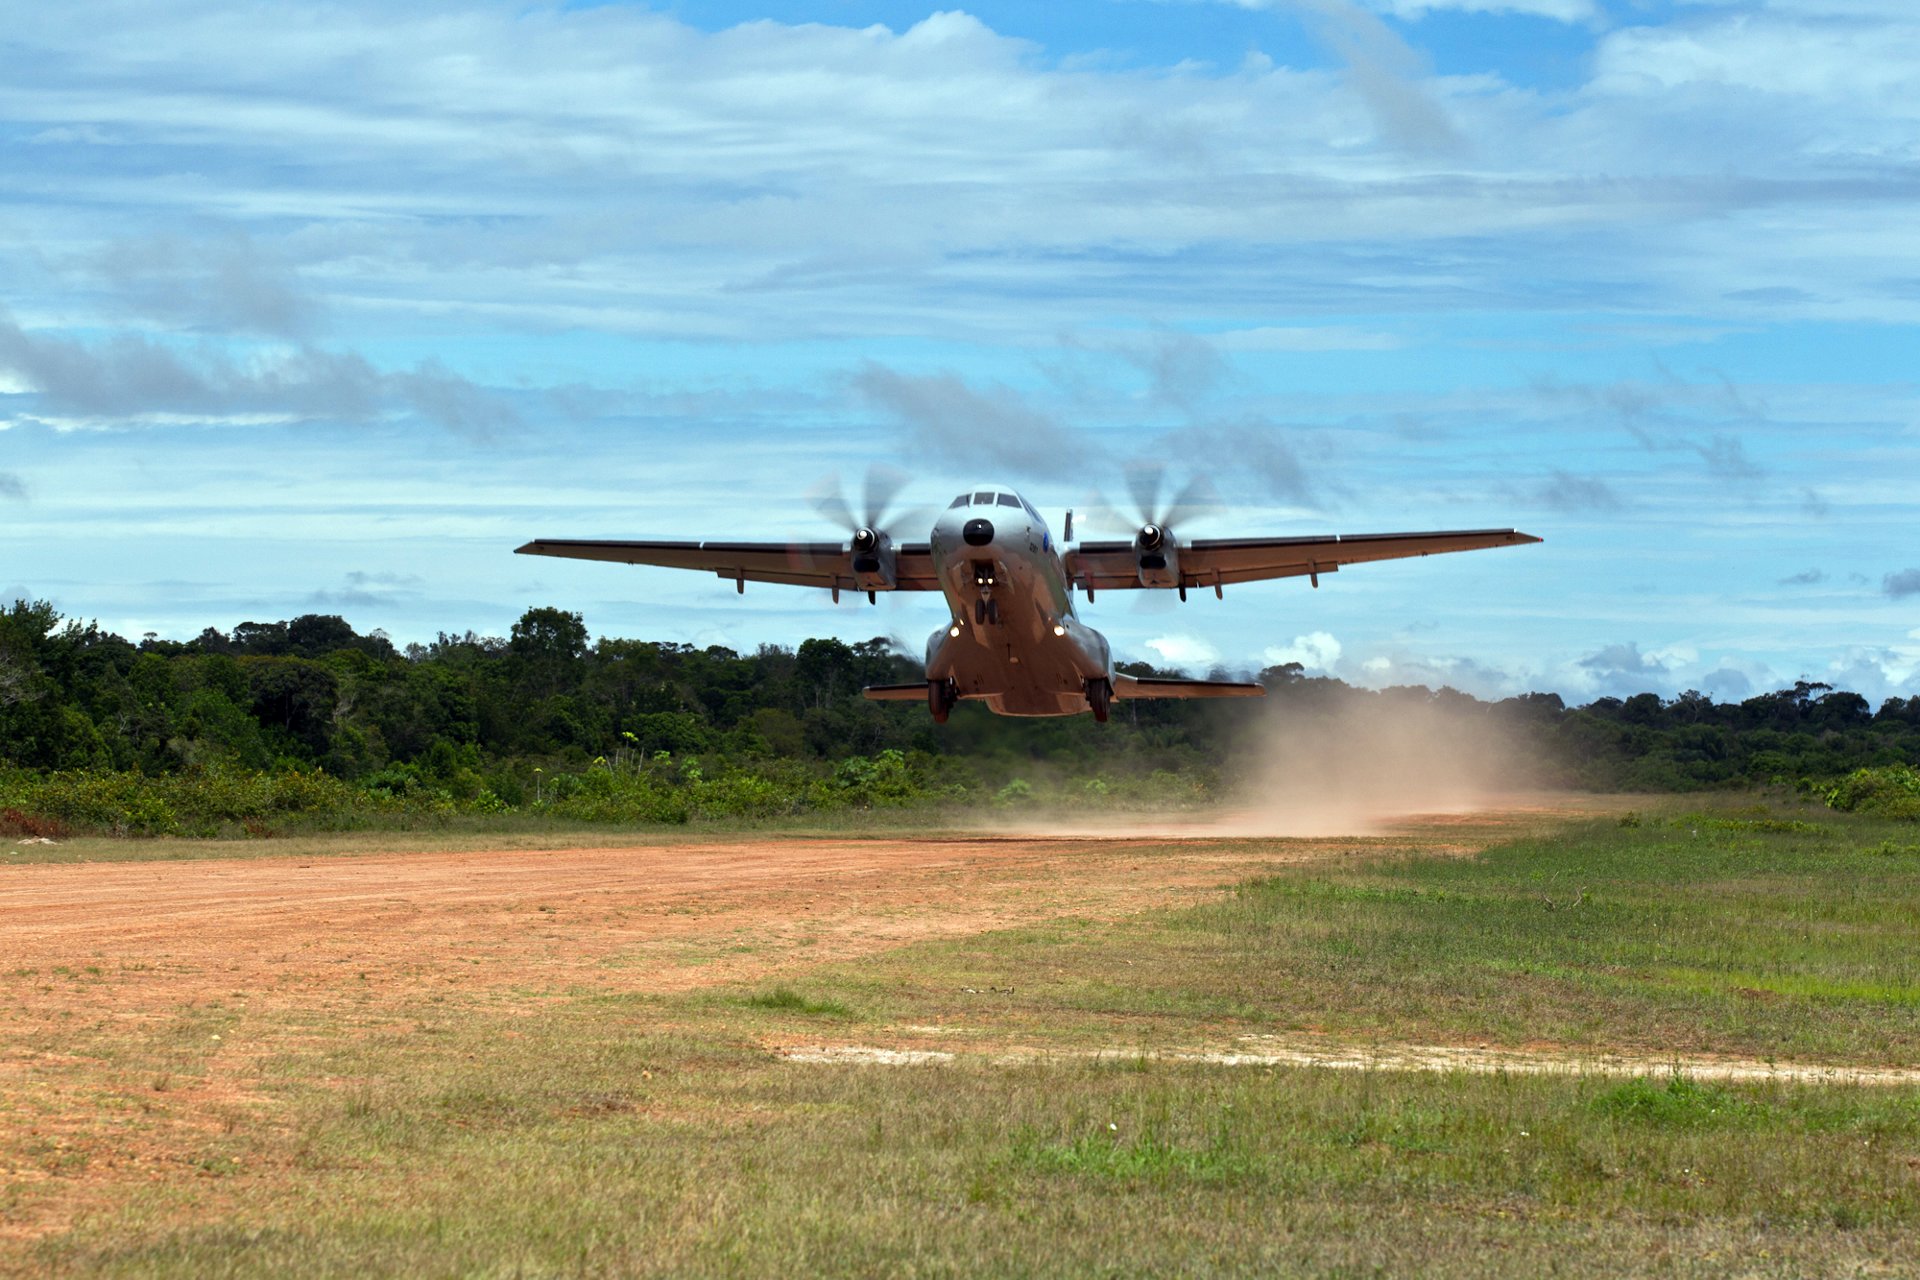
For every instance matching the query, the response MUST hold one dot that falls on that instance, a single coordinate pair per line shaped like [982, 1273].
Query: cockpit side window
[1008, 500]
[960, 501]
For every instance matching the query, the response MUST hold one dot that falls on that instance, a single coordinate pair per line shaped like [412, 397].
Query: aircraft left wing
[1213, 562]
[1126, 686]
[800, 564]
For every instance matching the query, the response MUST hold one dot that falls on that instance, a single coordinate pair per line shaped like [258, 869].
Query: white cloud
[1316, 651]
[1878, 671]
[1188, 652]
[1435, 671]
[1671, 656]
[1777, 55]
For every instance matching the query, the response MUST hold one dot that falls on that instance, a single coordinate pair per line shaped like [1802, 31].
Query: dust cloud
[1357, 764]
[1374, 761]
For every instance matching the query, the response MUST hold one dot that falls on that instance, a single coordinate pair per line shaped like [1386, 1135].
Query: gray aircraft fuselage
[1036, 657]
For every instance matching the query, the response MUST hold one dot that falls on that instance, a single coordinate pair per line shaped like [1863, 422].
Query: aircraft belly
[1018, 666]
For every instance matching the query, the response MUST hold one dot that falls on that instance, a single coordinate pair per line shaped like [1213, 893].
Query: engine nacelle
[1157, 556]
[873, 560]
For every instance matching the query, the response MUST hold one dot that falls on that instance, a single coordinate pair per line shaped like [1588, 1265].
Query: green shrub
[1891, 790]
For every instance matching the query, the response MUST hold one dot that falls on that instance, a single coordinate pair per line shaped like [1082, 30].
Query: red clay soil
[640, 917]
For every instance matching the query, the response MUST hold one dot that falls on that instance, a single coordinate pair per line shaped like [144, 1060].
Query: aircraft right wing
[1213, 562]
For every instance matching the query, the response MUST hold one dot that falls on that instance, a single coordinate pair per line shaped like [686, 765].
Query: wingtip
[528, 549]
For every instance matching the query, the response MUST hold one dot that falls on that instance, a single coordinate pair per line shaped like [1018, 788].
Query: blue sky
[326, 307]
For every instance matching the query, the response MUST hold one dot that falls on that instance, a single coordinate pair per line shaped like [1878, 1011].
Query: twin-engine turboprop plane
[1015, 640]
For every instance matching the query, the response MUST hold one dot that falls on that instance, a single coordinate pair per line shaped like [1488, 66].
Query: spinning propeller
[1156, 520]
[867, 529]
[869, 533]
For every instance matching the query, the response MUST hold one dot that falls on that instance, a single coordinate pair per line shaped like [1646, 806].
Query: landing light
[1059, 629]
[954, 630]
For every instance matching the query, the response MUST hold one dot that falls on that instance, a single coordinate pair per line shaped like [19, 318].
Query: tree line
[504, 713]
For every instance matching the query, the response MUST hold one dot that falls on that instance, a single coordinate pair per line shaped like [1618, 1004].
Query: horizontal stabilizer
[1133, 687]
[896, 692]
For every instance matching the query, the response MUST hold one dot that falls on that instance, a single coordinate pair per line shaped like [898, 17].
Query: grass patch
[1794, 941]
[1144, 1155]
[787, 1000]
[1676, 1103]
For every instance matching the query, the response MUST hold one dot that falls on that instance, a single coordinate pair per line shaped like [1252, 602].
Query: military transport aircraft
[1014, 640]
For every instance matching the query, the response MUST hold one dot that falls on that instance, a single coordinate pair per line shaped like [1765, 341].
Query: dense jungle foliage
[308, 722]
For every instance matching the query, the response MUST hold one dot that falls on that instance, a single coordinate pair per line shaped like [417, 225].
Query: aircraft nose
[978, 533]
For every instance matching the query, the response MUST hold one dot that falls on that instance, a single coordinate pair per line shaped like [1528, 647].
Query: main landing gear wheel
[941, 695]
[1100, 698]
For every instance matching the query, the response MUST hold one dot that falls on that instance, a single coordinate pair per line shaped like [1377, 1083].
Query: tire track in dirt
[1334, 1055]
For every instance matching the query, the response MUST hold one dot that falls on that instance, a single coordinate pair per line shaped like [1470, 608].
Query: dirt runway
[656, 917]
[146, 1002]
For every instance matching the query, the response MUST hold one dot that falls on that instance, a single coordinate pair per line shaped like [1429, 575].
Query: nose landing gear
[986, 612]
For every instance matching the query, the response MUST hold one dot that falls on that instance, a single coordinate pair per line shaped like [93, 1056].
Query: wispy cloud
[986, 428]
[1388, 75]
[1558, 10]
[365, 590]
[223, 284]
[1902, 584]
[1307, 338]
[1564, 491]
[132, 378]
[1726, 458]
[1253, 454]
[12, 487]
[1182, 368]
[614, 163]
[1673, 415]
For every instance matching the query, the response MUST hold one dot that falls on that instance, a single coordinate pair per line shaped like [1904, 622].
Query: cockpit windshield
[988, 498]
